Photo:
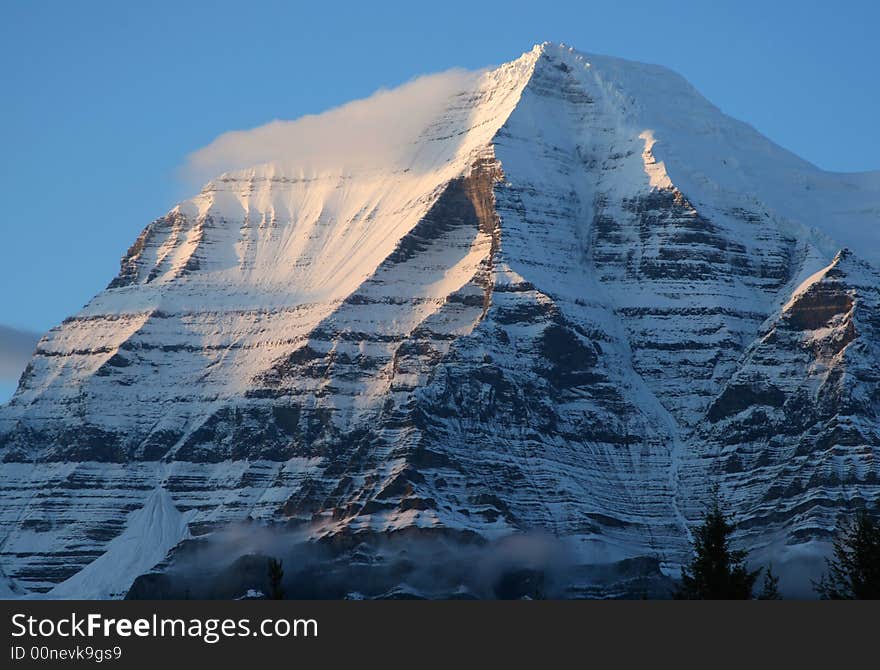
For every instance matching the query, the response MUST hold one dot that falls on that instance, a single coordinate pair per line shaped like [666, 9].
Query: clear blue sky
[102, 101]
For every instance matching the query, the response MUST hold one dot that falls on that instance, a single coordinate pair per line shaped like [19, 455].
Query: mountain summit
[580, 298]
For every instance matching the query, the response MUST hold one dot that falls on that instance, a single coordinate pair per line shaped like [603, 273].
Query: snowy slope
[566, 306]
[150, 533]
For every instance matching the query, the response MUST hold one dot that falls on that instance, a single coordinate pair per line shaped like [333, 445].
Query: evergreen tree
[854, 570]
[770, 587]
[716, 572]
[276, 576]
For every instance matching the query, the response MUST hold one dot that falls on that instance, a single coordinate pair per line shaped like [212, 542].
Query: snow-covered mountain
[581, 298]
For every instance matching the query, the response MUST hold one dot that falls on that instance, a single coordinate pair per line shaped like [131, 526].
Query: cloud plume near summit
[16, 347]
[373, 131]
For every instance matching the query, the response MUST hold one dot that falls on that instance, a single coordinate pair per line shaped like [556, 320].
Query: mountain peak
[544, 296]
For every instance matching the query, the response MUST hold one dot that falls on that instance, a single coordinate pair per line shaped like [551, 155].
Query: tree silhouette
[716, 572]
[770, 587]
[276, 576]
[854, 570]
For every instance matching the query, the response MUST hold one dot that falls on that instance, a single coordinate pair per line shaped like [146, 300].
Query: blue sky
[103, 101]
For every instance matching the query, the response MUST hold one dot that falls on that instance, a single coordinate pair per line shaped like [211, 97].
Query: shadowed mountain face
[580, 300]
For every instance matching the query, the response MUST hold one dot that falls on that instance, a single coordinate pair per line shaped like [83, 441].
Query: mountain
[578, 301]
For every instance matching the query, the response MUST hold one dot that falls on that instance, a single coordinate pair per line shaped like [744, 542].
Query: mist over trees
[717, 571]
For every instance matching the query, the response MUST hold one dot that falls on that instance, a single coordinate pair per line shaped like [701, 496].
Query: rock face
[582, 298]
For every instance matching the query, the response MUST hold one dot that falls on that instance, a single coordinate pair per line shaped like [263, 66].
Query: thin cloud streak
[16, 348]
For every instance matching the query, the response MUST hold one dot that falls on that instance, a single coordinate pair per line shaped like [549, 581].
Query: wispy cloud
[371, 131]
[16, 347]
